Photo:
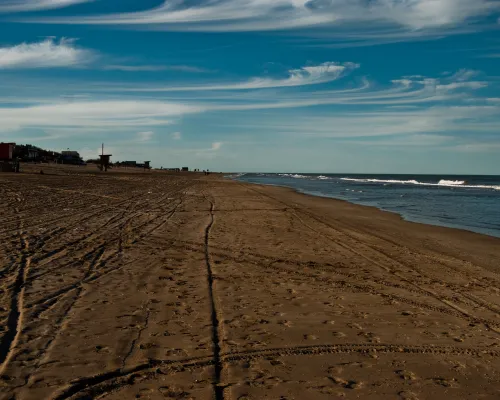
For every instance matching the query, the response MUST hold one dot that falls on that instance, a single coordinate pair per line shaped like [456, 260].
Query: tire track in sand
[16, 314]
[95, 259]
[106, 382]
[218, 388]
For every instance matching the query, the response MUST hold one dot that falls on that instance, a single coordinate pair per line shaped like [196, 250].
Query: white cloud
[405, 92]
[477, 147]
[209, 153]
[188, 68]
[461, 85]
[93, 114]
[48, 53]
[64, 53]
[154, 68]
[254, 15]
[310, 75]
[145, 136]
[464, 75]
[419, 126]
[34, 5]
[134, 68]
[85, 114]
[412, 140]
[420, 14]
[417, 100]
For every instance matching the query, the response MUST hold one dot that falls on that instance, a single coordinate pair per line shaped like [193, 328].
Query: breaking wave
[294, 176]
[298, 176]
[442, 182]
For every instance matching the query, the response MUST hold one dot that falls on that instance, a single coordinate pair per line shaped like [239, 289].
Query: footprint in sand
[310, 337]
[406, 375]
[348, 384]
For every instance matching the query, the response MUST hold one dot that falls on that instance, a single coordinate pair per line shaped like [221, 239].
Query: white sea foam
[235, 176]
[297, 176]
[442, 182]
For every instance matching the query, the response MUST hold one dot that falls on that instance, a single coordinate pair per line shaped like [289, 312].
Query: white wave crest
[296, 176]
[442, 182]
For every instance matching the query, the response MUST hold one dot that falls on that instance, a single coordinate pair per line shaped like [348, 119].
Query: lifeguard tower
[104, 158]
[104, 165]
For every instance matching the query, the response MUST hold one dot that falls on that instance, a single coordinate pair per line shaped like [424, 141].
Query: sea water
[465, 202]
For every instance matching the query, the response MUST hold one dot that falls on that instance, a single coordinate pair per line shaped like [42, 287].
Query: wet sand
[161, 286]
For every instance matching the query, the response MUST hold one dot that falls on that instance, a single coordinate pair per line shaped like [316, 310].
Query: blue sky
[382, 86]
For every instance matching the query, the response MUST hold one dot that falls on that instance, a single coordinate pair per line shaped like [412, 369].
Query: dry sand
[158, 286]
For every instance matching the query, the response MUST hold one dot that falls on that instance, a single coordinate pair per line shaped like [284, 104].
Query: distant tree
[22, 151]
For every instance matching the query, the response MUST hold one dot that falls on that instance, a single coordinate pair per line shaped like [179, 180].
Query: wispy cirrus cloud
[309, 75]
[53, 53]
[210, 152]
[216, 146]
[100, 114]
[444, 121]
[188, 68]
[35, 5]
[145, 136]
[491, 147]
[408, 91]
[436, 122]
[413, 105]
[259, 15]
[154, 68]
[134, 68]
[45, 54]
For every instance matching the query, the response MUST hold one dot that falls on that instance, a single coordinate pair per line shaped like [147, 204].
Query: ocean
[465, 202]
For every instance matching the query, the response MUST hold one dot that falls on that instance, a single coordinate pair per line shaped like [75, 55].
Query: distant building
[132, 164]
[185, 169]
[33, 153]
[7, 151]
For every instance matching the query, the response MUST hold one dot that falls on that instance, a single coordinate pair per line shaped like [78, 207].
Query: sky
[332, 86]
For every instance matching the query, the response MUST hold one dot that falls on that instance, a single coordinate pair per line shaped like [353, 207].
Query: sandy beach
[167, 286]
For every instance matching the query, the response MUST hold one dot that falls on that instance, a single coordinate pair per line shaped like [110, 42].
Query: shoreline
[400, 214]
[414, 233]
